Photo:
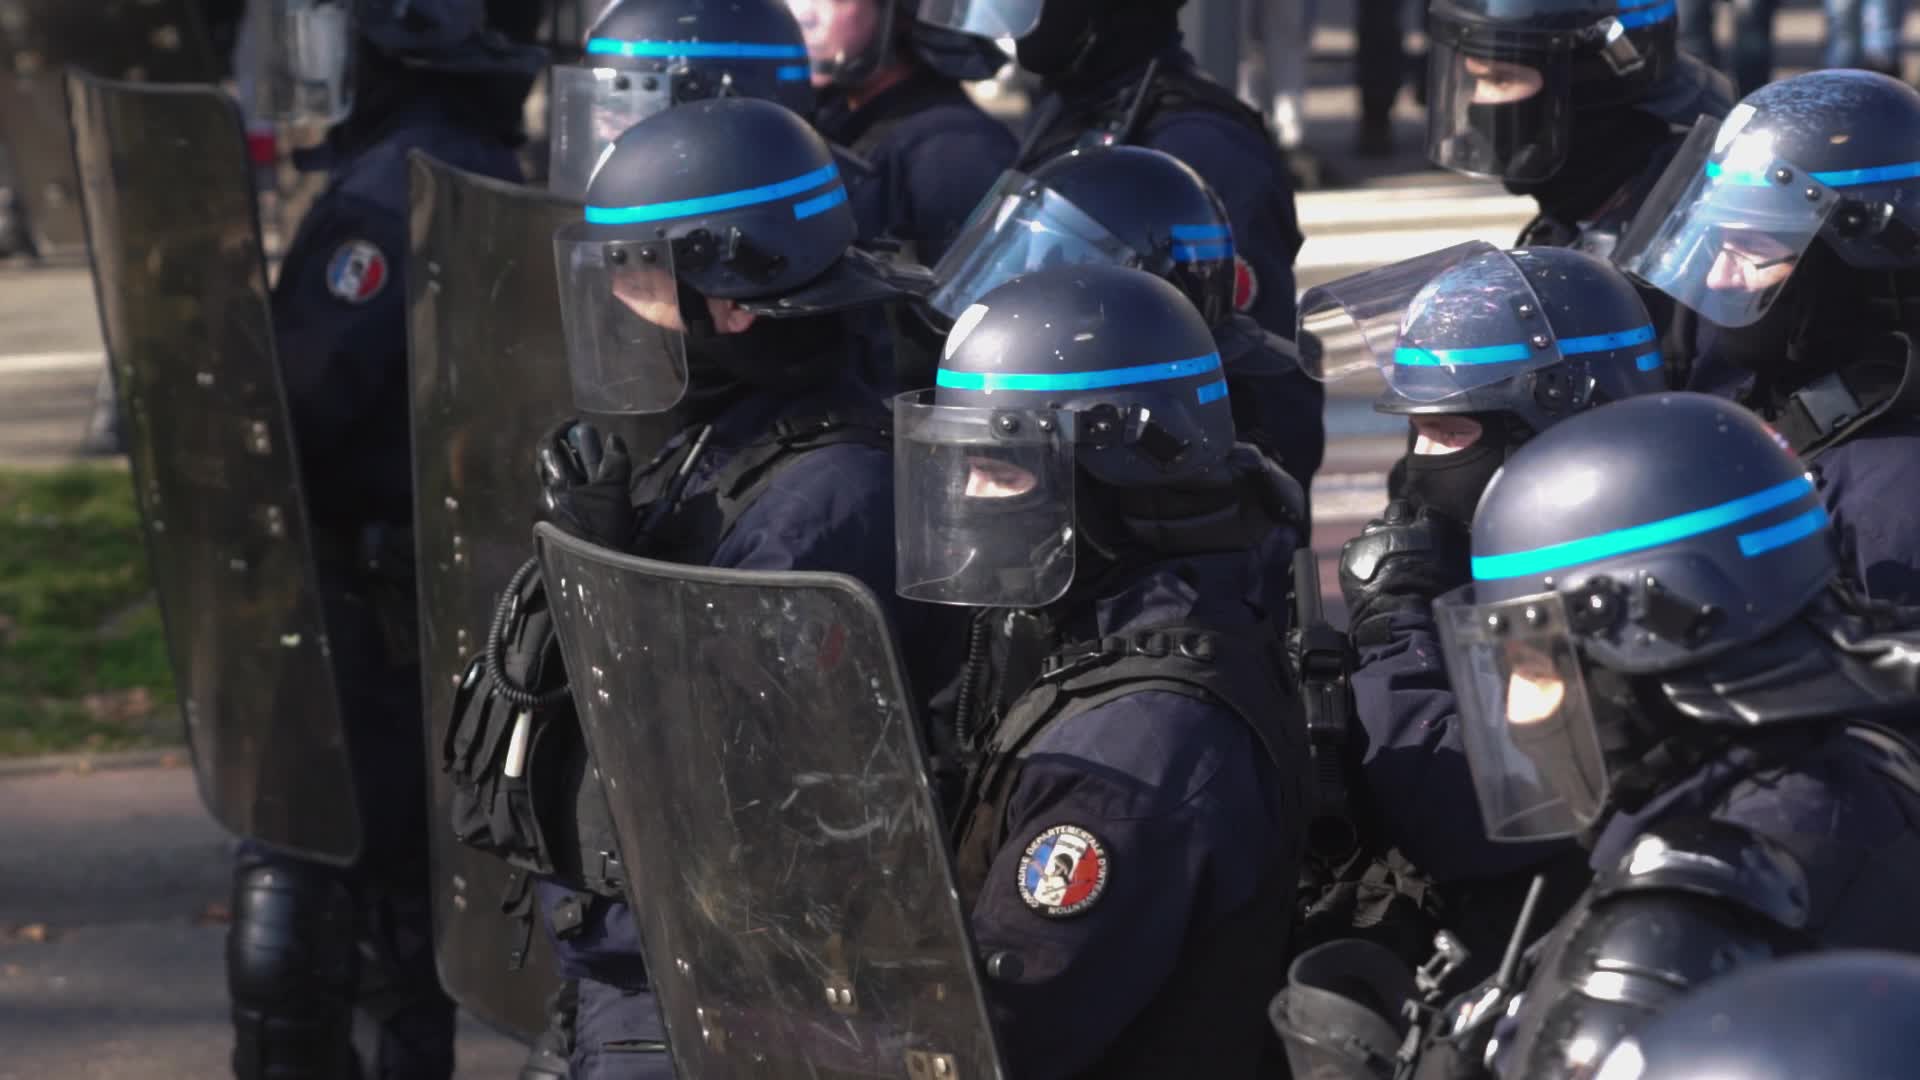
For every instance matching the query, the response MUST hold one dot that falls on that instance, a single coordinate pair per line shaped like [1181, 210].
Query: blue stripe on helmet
[702, 50]
[1187, 253]
[1647, 16]
[794, 73]
[708, 204]
[1212, 392]
[1589, 549]
[1649, 362]
[990, 381]
[820, 204]
[1578, 346]
[1203, 232]
[1406, 356]
[1838, 178]
[1878, 175]
[1790, 531]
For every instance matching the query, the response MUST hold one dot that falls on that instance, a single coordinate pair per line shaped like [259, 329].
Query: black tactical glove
[1400, 562]
[584, 484]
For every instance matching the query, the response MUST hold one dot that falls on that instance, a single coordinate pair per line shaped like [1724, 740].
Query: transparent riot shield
[488, 378]
[139, 40]
[769, 793]
[175, 241]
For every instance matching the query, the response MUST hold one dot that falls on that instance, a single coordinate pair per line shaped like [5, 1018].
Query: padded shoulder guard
[1715, 859]
[1691, 902]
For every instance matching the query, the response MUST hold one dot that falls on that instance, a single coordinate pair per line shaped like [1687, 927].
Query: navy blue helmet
[1844, 1014]
[1644, 538]
[1075, 376]
[1832, 156]
[729, 199]
[644, 56]
[1119, 206]
[1533, 335]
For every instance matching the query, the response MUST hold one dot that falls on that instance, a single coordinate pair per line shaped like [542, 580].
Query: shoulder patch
[357, 272]
[1246, 285]
[1063, 871]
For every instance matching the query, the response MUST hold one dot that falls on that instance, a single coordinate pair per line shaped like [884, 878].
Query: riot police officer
[1790, 229]
[1482, 350]
[1848, 1013]
[1513, 80]
[1129, 836]
[448, 77]
[1114, 72]
[643, 56]
[890, 91]
[1652, 657]
[720, 289]
[1131, 206]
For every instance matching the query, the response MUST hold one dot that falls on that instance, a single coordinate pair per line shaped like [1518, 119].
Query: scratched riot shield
[489, 377]
[170, 217]
[138, 40]
[770, 797]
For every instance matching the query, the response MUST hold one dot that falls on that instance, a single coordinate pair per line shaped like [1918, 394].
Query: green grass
[83, 661]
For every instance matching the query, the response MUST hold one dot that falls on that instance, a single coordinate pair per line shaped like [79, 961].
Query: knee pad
[292, 966]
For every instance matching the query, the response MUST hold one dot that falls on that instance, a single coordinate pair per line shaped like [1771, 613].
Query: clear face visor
[1498, 108]
[1392, 319]
[984, 18]
[620, 308]
[590, 108]
[303, 61]
[983, 503]
[1724, 228]
[1019, 227]
[1525, 717]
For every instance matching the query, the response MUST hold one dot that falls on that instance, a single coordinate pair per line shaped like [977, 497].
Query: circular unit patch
[1063, 872]
[357, 272]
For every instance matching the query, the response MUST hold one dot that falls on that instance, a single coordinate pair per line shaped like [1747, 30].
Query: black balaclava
[1451, 484]
[1607, 149]
[1083, 42]
[781, 356]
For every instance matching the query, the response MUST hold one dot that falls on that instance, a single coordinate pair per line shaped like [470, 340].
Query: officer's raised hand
[584, 480]
[1400, 562]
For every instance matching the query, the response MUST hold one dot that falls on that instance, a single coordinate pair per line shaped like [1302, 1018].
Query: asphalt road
[113, 886]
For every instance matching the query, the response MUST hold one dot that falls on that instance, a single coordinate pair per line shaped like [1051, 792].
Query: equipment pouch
[497, 731]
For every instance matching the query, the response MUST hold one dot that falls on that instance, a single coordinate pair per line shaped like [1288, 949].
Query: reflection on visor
[1526, 722]
[983, 503]
[1352, 325]
[983, 18]
[1724, 228]
[625, 331]
[591, 107]
[1020, 227]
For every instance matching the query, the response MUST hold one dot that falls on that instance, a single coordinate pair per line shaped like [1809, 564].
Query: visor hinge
[1595, 607]
[1617, 49]
[1674, 617]
[750, 260]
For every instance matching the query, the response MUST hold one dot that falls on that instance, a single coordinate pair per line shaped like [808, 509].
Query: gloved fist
[584, 482]
[1400, 562]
